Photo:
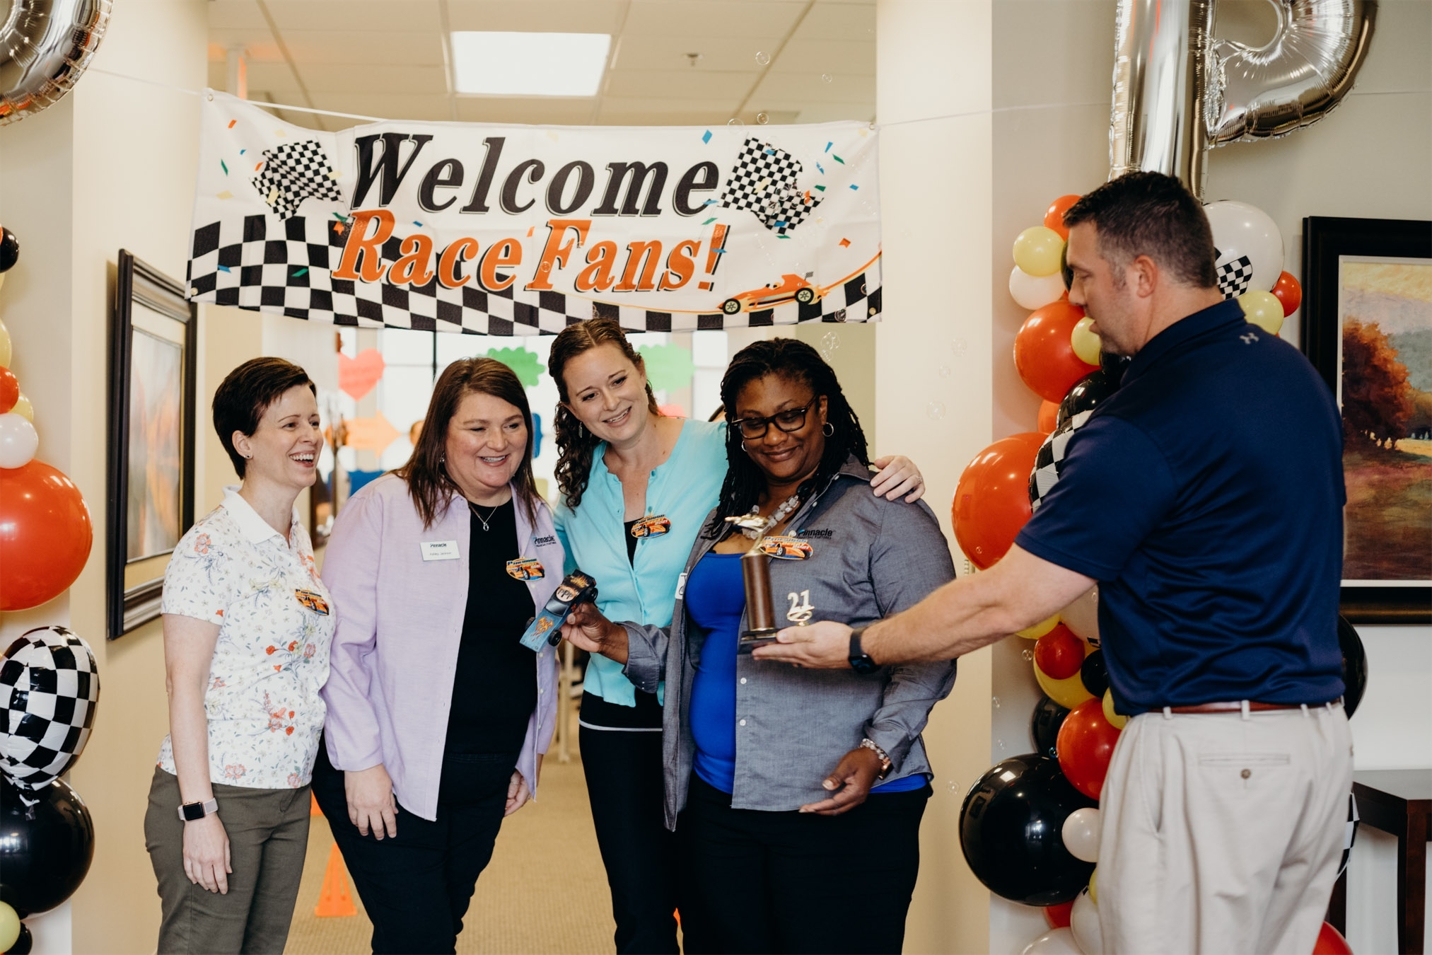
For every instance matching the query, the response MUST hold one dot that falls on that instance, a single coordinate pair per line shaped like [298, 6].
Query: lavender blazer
[399, 627]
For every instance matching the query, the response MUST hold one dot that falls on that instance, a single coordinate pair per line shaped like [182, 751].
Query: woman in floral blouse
[247, 628]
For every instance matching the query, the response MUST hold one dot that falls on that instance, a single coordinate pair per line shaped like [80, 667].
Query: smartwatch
[860, 661]
[191, 811]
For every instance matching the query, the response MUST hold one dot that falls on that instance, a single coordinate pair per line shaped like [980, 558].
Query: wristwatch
[191, 811]
[860, 661]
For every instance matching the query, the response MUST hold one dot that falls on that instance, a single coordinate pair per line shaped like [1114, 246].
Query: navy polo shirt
[1206, 498]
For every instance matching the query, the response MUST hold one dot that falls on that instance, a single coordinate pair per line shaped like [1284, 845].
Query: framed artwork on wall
[152, 362]
[1367, 328]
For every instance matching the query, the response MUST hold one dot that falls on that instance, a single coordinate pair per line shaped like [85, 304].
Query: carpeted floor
[544, 892]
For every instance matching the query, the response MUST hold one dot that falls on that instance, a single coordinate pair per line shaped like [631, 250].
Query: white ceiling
[786, 61]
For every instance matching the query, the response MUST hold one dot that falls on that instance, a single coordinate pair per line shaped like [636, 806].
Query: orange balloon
[9, 389]
[1085, 745]
[1330, 940]
[45, 534]
[992, 499]
[1054, 217]
[1289, 292]
[1044, 354]
[1048, 416]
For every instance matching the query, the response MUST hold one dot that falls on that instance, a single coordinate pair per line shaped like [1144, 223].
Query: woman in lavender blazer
[437, 716]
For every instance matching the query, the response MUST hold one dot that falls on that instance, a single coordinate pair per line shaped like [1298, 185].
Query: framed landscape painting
[1367, 327]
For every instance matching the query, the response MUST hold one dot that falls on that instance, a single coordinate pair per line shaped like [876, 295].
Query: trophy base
[751, 639]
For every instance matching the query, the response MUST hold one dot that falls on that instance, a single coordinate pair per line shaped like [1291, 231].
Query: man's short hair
[246, 393]
[1148, 213]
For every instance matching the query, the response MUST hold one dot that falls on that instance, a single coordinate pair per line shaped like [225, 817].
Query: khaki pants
[268, 837]
[1222, 832]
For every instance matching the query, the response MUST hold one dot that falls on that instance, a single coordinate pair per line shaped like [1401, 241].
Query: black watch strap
[860, 661]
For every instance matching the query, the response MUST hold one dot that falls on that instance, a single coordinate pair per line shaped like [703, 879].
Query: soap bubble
[829, 345]
[959, 346]
[762, 119]
[733, 121]
[826, 78]
[763, 58]
[996, 702]
[945, 371]
[1027, 654]
[935, 410]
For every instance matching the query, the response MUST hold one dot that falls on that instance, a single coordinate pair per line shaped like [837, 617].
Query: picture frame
[1366, 264]
[153, 361]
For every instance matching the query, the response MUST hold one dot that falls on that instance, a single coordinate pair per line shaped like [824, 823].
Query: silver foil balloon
[1178, 91]
[1295, 79]
[45, 45]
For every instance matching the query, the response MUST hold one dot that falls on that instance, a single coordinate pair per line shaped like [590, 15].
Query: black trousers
[756, 881]
[624, 785]
[416, 887]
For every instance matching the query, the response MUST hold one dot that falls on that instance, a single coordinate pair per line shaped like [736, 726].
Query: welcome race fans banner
[521, 230]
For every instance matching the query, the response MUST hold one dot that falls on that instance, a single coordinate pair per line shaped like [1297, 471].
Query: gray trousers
[268, 837]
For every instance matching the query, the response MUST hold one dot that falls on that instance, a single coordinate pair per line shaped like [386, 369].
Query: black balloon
[1011, 831]
[1093, 675]
[1044, 726]
[46, 847]
[1087, 392]
[1114, 364]
[9, 249]
[23, 944]
[1354, 665]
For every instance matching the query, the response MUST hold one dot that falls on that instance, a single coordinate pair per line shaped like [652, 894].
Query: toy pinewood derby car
[546, 627]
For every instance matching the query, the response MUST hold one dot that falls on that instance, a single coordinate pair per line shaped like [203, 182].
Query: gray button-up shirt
[870, 558]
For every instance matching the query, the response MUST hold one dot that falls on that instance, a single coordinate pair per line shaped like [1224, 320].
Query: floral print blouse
[276, 623]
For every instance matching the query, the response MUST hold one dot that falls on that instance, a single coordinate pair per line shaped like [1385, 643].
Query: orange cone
[333, 897]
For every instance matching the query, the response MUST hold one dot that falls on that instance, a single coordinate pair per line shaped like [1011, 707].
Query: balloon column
[49, 683]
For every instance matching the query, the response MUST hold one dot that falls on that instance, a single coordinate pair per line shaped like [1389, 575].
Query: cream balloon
[1262, 309]
[1081, 834]
[1084, 924]
[1087, 345]
[1082, 617]
[1116, 720]
[1039, 629]
[1033, 292]
[1059, 941]
[1094, 885]
[18, 440]
[24, 408]
[1037, 252]
[9, 919]
[1241, 230]
[4, 340]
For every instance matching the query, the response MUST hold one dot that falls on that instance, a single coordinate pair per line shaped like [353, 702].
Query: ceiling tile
[391, 49]
[839, 21]
[384, 106]
[352, 77]
[255, 43]
[836, 112]
[553, 111]
[265, 75]
[668, 52]
[826, 56]
[235, 15]
[756, 19]
[620, 114]
[680, 84]
[542, 16]
[386, 16]
[809, 88]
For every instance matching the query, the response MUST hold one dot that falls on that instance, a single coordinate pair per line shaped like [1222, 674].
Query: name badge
[312, 601]
[439, 550]
[651, 526]
[786, 548]
[525, 568]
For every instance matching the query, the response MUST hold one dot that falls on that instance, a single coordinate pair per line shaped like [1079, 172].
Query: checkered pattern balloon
[1050, 458]
[49, 687]
[294, 172]
[1349, 833]
[1234, 274]
[763, 181]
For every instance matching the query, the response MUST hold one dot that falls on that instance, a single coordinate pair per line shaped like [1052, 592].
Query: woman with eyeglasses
[636, 487]
[772, 772]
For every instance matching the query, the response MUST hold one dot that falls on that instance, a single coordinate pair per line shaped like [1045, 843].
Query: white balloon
[1081, 834]
[1084, 924]
[1241, 230]
[1059, 941]
[18, 440]
[1035, 291]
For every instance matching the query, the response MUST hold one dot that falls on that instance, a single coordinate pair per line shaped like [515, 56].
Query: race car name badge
[786, 548]
[525, 568]
[439, 550]
[653, 525]
[312, 601]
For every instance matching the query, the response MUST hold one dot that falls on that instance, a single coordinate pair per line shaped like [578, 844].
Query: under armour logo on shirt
[1248, 338]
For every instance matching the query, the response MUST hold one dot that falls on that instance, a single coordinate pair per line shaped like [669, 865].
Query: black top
[631, 542]
[495, 686]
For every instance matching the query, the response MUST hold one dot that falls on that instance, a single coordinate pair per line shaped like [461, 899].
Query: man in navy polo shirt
[1205, 499]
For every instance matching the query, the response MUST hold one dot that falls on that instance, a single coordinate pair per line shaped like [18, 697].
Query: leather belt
[1236, 706]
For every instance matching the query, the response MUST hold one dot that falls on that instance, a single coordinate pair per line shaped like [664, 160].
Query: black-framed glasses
[790, 420]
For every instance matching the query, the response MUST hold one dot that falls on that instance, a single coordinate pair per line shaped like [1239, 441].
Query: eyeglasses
[791, 420]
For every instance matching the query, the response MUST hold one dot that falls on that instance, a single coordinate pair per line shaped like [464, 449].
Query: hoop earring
[827, 429]
[743, 447]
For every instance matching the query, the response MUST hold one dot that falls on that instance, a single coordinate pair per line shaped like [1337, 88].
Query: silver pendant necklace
[754, 526]
[475, 513]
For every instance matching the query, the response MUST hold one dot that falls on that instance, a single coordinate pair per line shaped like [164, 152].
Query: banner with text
[523, 230]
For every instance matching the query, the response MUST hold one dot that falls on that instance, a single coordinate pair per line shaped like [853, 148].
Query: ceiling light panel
[529, 64]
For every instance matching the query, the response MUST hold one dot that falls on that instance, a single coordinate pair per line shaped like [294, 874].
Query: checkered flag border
[1234, 276]
[294, 172]
[49, 686]
[1049, 461]
[285, 269]
[764, 182]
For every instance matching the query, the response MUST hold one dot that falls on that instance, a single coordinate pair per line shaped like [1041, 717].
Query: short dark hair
[1148, 213]
[794, 360]
[425, 473]
[246, 393]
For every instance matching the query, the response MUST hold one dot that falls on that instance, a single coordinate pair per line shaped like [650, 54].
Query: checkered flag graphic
[1234, 275]
[1050, 459]
[294, 172]
[48, 690]
[285, 269]
[763, 181]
